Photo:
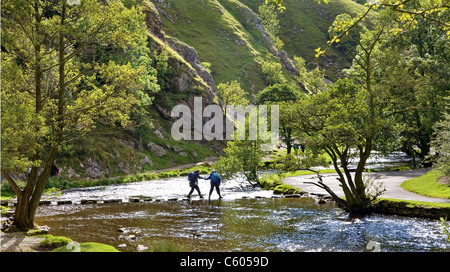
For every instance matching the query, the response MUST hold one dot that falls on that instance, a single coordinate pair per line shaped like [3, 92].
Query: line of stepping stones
[130, 200]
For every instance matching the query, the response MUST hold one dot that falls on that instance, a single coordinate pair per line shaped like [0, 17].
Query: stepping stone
[112, 201]
[64, 202]
[292, 196]
[88, 201]
[45, 202]
[134, 199]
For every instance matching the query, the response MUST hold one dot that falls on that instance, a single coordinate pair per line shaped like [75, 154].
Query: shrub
[285, 189]
[54, 241]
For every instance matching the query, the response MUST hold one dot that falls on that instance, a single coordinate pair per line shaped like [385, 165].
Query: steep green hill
[305, 23]
[227, 34]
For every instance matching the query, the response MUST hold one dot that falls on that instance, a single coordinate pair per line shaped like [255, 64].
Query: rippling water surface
[231, 224]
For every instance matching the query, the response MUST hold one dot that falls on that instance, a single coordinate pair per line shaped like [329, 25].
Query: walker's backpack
[191, 176]
[215, 178]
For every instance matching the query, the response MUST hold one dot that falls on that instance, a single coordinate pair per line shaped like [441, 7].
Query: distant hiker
[193, 182]
[302, 148]
[215, 183]
[54, 171]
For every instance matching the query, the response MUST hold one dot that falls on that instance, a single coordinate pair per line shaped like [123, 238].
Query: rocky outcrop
[157, 149]
[190, 76]
[282, 55]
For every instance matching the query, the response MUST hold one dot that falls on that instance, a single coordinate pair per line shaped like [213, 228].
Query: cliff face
[190, 78]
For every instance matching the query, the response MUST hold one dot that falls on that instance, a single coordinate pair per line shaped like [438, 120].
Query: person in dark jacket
[54, 170]
[215, 183]
[193, 182]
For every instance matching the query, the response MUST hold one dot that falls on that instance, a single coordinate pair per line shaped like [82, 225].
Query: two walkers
[215, 183]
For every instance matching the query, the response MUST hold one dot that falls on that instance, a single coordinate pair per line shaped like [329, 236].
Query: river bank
[392, 179]
[395, 200]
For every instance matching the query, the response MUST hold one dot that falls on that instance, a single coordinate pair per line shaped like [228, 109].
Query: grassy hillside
[224, 34]
[218, 37]
[305, 23]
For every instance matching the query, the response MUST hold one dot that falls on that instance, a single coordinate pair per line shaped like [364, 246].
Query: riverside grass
[428, 185]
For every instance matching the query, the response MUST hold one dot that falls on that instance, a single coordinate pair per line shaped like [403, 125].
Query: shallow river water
[245, 220]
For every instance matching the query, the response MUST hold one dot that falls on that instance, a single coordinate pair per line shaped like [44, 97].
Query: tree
[273, 72]
[271, 24]
[313, 81]
[407, 12]
[346, 124]
[441, 144]
[232, 94]
[416, 68]
[283, 95]
[69, 67]
[242, 156]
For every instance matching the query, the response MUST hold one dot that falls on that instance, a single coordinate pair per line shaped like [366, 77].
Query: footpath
[391, 181]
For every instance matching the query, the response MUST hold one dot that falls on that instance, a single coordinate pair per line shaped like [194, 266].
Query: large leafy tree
[351, 119]
[65, 68]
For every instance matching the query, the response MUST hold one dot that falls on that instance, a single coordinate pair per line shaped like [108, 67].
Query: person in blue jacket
[215, 183]
[193, 182]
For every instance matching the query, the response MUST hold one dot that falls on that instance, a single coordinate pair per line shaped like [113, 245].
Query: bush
[285, 189]
[54, 241]
[169, 174]
[268, 182]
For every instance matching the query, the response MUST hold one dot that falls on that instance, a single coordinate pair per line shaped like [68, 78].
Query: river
[244, 220]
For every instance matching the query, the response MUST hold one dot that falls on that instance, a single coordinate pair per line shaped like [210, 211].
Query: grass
[286, 189]
[412, 204]
[167, 246]
[88, 247]
[224, 34]
[275, 182]
[218, 37]
[51, 241]
[428, 185]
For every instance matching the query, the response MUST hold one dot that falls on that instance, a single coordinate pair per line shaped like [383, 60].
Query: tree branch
[13, 184]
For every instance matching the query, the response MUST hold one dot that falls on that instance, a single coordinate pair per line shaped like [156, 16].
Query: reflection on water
[240, 225]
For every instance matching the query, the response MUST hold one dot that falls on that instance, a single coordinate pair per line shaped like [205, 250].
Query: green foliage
[286, 189]
[273, 72]
[167, 246]
[278, 93]
[242, 155]
[52, 192]
[442, 145]
[313, 81]
[88, 247]
[100, 80]
[51, 241]
[445, 228]
[270, 22]
[270, 181]
[232, 94]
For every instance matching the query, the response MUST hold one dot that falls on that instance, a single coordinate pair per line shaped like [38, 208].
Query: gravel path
[19, 242]
[391, 181]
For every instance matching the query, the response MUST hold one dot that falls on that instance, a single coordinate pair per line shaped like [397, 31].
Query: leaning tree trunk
[29, 197]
